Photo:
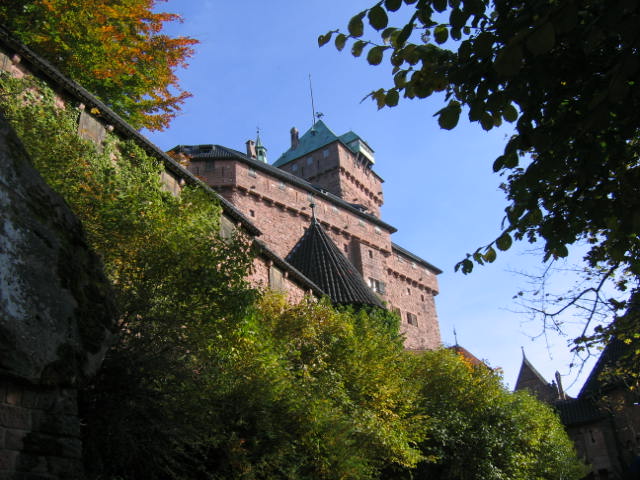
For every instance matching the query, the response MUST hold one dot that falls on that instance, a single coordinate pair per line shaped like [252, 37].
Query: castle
[333, 175]
[603, 421]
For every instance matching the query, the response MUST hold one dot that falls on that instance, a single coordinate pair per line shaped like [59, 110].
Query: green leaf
[509, 61]
[457, 18]
[465, 265]
[324, 39]
[400, 78]
[405, 33]
[356, 26]
[340, 41]
[378, 17]
[489, 255]
[511, 160]
[392, 98]
[440, 5]
[449, 115]
[464, 51]
[375, 55]
[483, 45]
[387, 33]
[504, 241]
[358, 46]
[542, 39]
[380, 97]
[510, 114]
[441, 34]
[392, 5]
[486, 121]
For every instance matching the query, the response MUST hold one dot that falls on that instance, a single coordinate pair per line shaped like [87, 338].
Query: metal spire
[313, 108]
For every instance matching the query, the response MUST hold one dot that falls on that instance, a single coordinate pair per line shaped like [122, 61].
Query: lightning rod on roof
[313, 108]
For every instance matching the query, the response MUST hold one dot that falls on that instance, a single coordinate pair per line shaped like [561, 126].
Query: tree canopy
[116, 50]
[567, 75]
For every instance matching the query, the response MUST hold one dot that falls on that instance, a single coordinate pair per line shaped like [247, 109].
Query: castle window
[412, 319]
[408, 291]
[422, 297]
[413, 265]
[377, 230]
[209, 166]
[309, 160]
[370, 253]
[294, 167]
[377, 286]
[276, 279]
[325, 153]
[282, 186]
[361, 223]
[334, 209]
[400, 259]
[252, 213]
[252, 172]
[90, 128]
[309, 197]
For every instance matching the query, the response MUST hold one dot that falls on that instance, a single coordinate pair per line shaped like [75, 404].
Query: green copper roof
[350, 136]
[316, 137]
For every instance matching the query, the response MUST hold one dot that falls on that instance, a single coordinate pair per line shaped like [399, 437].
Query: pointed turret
[530, 379]
[320, 260]
[261, 150]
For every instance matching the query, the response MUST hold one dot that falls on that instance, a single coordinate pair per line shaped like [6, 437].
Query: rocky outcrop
[56, 321]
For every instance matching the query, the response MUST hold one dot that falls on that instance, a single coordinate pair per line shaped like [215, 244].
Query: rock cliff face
[55, 313]
[56, 321]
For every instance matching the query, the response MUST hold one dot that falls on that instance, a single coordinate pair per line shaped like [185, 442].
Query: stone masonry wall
[39, 432]
[334, 168]
[260, 278]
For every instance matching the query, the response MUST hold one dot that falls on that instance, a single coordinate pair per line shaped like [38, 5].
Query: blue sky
[252, 70]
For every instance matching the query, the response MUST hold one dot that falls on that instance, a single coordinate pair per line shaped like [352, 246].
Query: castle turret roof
[530, 379]
[319, 259]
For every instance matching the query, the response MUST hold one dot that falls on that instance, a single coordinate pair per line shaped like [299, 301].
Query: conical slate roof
[319, 259]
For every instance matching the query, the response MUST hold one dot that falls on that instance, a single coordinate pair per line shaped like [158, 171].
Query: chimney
[251, 149]
[294, 138]
[561, 394]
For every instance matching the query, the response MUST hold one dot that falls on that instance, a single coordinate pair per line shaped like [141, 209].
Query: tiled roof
[610, 356]
[294, 274]
[316, 137]
[212, 152]
[576, 411]
[319, 259]
[467, 355]
[416, 258]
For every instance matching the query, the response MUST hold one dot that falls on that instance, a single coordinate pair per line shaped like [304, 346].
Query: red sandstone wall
[259, 277]
[281, 211]
[335, 169]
